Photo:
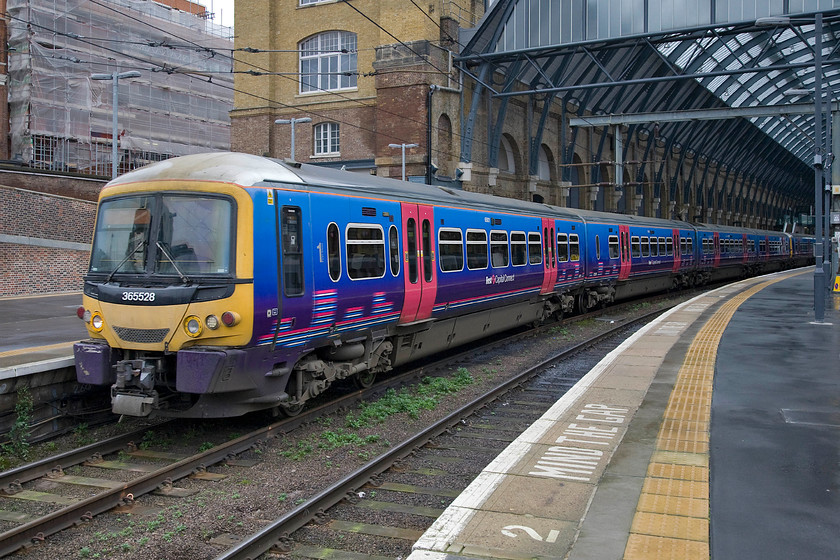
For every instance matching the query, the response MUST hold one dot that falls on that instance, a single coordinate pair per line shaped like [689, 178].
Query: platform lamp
[293, 122]
[115, 76]
[403, 147]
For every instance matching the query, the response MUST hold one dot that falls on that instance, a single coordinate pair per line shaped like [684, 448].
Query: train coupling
[133, 393]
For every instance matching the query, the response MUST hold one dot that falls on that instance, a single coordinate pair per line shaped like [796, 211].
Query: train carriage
[225, 283]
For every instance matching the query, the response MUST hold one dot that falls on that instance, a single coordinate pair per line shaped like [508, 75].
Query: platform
[711, 432]
[37, 332]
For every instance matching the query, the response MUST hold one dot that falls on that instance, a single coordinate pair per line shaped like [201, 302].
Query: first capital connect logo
[499, 279]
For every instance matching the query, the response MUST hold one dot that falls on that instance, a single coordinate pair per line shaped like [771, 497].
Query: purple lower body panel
[94, 363]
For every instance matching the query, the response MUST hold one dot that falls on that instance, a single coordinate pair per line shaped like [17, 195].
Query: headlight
[212, 322]
[230, 318]
[97, 322]
[192, 325]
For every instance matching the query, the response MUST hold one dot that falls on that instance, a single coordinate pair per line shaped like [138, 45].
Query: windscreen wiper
[125, 260]
[163, 250]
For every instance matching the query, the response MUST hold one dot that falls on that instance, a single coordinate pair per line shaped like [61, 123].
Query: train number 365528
[138, 296]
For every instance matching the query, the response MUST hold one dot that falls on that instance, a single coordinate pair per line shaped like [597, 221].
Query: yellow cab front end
[170, 281]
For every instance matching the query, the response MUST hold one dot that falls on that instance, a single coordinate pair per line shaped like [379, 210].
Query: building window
[328, 62]
[326, 139]
[308, 2]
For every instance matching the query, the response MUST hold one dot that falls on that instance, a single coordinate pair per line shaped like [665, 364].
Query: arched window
[545, 162]
[328, 62]
[507, 156]
[444, 144]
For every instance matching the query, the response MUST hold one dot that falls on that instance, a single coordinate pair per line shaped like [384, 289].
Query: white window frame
[329, 133]
[534, 240]
[497, 243]
[379, 243]
[518, 239]
[324, 59]
[450, 242]
[481, 243]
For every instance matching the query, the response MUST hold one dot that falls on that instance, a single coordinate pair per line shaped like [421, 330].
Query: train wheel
[364, 379]
[291, 409]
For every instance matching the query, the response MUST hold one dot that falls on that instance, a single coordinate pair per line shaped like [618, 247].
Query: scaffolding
[61, 119]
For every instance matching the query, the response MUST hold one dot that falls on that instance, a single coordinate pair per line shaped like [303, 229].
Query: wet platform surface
[711, 432]
[38, 329]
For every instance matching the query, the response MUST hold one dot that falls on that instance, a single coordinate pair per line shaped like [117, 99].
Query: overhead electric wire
[198, 47]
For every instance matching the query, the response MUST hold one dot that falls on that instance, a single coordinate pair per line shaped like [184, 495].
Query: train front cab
[170, 275]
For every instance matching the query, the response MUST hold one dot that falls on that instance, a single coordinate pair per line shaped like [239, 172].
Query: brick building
[362, 72]
[57, 124]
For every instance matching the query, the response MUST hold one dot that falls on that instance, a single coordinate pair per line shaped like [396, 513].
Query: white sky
[222, 8]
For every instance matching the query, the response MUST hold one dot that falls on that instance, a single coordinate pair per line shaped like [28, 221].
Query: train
[225, 283]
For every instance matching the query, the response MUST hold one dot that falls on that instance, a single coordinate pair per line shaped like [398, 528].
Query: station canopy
[731, 81]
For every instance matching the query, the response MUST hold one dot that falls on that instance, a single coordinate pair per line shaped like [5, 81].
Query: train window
[547, 247]
[411, 249]
[663, 247]
[636, 247]
[762, 245]
[476, 249]
[597, 247]
[562, 247]
[551, 255]
[574, 247]
[625, 246]
[333, 252]
[518, 248]
[613, 242]
[365, 251]
[499, 249]
[121, 241]
[751, 245]
[394, 247]
[427, 251]
[451, 249]
[534, 248]
[669, 246]
[654, 247]
[290, 230]
[645, 246]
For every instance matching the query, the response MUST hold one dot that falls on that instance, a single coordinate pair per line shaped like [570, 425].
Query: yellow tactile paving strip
[672, 516]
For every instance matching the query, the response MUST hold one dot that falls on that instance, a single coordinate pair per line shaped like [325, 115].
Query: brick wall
[28, 270]
[43, 241]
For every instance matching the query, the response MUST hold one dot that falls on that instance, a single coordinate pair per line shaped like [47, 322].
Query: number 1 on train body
[418, 258]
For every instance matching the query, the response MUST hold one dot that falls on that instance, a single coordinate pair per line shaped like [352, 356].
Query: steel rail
[279, 530]
[38, 529]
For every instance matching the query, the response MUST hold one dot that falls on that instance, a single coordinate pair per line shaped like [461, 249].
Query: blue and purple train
[225, 283]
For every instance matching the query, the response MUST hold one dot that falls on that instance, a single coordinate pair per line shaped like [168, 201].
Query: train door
[676, 249]
[717, 249]
[744, 248]
[626, 262]
[549, 258]
[419, 275]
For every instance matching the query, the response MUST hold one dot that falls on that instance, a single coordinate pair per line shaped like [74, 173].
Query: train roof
[230, 167]
[248, 170]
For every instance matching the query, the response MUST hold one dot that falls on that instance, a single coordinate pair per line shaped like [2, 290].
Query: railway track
[116, 472]
[391, 501]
